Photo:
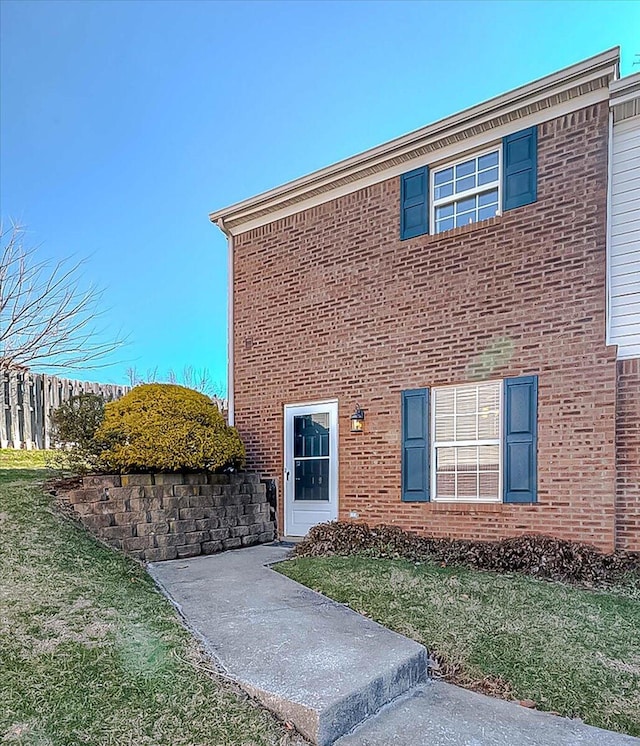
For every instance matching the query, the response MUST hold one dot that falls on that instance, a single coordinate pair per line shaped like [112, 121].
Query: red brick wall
[628, 455]
[329, 303]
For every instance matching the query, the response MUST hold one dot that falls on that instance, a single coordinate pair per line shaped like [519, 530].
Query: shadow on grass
[22, 475]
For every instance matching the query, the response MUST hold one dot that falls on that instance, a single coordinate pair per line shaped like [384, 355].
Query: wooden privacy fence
[28, 400]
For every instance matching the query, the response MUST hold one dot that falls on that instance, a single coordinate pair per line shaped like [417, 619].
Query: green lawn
[22, 465]
[90, 652]
[570, 650]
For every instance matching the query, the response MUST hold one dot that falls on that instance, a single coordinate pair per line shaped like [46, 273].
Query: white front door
[310, 466]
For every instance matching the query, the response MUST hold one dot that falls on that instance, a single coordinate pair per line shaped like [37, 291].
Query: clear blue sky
[125, 123]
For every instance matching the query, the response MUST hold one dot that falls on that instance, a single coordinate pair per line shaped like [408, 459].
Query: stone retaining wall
[156, 517]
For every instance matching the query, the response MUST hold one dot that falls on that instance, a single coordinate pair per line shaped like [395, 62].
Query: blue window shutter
[520, 440]
[414, 203]
[415, 445]
[520, 172]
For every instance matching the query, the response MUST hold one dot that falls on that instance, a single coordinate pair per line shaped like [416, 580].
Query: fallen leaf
[527, 703]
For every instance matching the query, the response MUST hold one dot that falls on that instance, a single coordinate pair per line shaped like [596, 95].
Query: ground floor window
[466, 437]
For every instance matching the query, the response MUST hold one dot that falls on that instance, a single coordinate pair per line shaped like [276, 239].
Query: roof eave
[624, 89]
[603, 64]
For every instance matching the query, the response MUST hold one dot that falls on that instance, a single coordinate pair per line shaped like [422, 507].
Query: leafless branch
[194, 378]
[199, 379]
[47, 319]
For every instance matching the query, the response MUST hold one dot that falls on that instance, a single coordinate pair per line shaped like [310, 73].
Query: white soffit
[625, 89]
[624, 98]
[564, 91]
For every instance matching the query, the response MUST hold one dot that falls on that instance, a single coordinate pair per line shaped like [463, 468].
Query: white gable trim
[441, 154]
[555, 95]
[625, 89]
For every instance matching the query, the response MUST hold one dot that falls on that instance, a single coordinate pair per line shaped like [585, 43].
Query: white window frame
[497, 147]
[461, 443]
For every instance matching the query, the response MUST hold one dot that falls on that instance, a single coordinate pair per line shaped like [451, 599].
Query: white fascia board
[442, 154]
[547, 97]
[624, 89]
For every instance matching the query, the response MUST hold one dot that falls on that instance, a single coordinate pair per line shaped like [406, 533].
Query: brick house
[472, 289]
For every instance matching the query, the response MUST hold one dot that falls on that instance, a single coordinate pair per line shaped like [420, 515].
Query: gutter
[230, 346]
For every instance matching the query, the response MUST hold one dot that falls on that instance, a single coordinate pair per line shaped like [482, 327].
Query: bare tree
[199, 379]
[193, 378]
[133, 376]
[136, 377]
[47, 319]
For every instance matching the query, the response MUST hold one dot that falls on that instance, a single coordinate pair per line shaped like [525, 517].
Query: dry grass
[90, 652]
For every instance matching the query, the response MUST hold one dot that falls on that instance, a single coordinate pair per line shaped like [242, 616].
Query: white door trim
[329, 511]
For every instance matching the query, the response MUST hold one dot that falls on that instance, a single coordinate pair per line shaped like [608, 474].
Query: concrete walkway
[337, 676]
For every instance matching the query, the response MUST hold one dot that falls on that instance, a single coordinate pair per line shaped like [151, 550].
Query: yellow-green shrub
[164, 427]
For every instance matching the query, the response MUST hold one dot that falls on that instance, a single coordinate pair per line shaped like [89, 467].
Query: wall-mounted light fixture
[357, 420]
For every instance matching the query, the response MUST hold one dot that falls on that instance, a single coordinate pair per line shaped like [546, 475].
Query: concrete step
[439, 714]
[311, 661]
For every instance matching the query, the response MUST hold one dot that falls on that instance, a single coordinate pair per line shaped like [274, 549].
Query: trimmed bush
[165, 427]
[537, 555]
[75, 423]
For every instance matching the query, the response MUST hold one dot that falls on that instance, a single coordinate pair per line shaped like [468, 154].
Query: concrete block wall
[155, 517]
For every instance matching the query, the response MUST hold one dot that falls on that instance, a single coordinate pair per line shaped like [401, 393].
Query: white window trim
[432, 448]
[433, 203]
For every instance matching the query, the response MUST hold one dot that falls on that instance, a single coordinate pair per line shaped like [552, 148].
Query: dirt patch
[454, 673]
[81, 623]
[18, 732]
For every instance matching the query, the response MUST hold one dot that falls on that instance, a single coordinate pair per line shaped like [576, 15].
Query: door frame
[324, 405]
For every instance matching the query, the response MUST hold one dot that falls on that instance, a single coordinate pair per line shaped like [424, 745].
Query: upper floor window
[471, 189]
[466, 192]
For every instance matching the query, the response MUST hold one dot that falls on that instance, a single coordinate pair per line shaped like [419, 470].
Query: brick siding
[628, 455]
[329, 303]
